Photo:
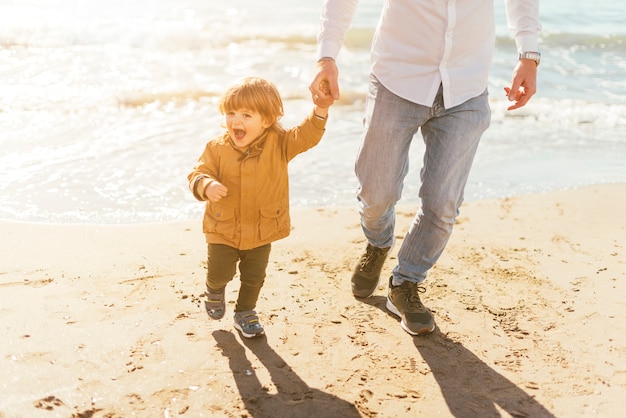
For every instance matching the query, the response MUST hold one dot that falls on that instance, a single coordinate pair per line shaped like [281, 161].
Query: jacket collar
[253, 150]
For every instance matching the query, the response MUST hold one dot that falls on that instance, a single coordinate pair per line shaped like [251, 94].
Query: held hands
[325, 86]
[322, 103]
[215, 190]
[523, 85]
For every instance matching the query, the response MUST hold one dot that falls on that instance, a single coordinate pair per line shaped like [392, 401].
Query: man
[429, 71]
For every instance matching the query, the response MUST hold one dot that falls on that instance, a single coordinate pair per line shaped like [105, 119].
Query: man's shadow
[470, 387]
[294, 398]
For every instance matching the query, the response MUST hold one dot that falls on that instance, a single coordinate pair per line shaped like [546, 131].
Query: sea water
[106, 106]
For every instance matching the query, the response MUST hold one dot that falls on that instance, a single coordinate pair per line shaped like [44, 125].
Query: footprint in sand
[48, 403]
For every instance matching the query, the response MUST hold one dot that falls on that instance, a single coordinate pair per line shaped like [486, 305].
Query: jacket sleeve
[204, 172]
[304, 136]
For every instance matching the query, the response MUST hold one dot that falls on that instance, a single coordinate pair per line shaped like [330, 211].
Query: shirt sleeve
[523, 21]
[335, 21]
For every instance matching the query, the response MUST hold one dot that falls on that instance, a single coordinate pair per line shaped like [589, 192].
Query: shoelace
[371, 255]
[412, 295]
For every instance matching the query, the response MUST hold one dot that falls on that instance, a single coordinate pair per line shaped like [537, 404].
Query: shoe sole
[422, 331]
[246, 334]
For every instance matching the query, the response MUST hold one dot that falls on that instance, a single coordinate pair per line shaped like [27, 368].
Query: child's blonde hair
[254, 93]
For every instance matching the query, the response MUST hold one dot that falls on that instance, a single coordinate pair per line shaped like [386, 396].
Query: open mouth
[239, 133]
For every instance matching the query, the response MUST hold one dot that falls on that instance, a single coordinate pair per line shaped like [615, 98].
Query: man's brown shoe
[367, 273]
[404, 301]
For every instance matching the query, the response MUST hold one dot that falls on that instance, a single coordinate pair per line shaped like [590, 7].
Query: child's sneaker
[247, 322]
[215, 305]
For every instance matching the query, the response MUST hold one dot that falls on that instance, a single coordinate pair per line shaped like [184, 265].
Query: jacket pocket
[273, 219]
[221, 220]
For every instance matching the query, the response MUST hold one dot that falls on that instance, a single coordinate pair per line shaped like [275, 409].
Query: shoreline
[403, 203]
[107, 319]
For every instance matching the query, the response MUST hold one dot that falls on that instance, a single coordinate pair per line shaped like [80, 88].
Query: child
[242, 175]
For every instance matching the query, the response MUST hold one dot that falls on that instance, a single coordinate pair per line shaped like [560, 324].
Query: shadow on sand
[470, 387]
[294, 398]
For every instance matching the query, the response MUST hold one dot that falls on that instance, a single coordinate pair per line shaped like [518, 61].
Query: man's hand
[523, 85]
[325, 86]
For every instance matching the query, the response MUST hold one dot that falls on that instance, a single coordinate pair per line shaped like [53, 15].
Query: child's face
[244, 126]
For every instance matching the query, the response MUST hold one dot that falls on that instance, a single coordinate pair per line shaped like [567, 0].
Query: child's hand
[215, 190]
[322, 97]
[325, 86]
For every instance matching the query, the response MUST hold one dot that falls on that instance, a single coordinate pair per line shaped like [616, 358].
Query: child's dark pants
[222, 264]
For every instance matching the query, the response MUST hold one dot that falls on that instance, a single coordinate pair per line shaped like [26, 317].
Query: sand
[109, 321]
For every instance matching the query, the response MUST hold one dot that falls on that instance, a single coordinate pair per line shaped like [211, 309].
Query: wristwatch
[535, 56]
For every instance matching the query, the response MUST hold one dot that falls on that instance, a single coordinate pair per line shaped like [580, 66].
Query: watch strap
[531, 55]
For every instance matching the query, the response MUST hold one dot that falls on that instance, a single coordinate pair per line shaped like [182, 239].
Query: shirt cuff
[527, 42]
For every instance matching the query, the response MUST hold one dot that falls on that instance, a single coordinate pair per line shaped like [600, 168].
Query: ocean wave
[172, 37]
[614, 43]
[570, 112]
[566, 113]
[360, 39]
[139, 98]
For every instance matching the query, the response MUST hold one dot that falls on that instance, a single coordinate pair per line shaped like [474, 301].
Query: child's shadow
[470, 387]
[294, 398]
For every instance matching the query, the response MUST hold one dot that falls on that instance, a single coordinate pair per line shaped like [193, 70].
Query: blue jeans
[451, 137]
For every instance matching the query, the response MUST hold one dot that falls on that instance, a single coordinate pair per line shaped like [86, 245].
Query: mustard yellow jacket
[255, 211]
